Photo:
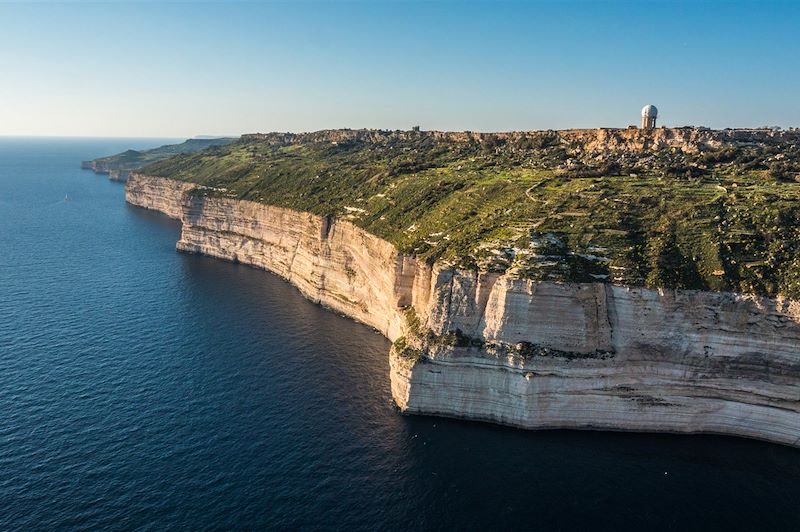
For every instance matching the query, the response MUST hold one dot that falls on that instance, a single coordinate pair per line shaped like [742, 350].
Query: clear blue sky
[184, 69]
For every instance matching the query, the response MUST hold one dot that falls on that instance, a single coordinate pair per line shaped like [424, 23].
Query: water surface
[142, 388]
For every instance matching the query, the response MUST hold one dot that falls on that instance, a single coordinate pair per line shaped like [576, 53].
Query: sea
[145, 389]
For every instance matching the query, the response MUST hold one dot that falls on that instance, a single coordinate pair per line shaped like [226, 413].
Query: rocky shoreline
[519, 352]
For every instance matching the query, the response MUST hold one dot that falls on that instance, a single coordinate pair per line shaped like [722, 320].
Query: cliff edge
[118, 167]
[532, 353]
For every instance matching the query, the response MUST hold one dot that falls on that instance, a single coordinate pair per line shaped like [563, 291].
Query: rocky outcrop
[519, 352]
[684, 134]
[590, 142]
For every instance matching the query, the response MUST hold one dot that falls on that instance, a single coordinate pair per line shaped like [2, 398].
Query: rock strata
[520, 352]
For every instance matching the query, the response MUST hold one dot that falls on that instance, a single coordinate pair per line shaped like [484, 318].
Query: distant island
[625, 279]
[120, 165]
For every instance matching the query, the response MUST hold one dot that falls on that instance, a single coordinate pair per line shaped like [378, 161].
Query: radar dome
[650, 110]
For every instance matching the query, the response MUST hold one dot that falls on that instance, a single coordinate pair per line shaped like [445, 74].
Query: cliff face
[115, 172]
[336, 264]
[519, 352]
[611, 358]
[157, 194]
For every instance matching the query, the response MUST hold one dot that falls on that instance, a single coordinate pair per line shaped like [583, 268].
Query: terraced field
[717, 213]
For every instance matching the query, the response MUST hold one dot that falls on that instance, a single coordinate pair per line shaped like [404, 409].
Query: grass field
[133, 159]
[721, 220]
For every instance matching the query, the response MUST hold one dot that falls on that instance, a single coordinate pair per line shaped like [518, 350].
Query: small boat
[66, 197]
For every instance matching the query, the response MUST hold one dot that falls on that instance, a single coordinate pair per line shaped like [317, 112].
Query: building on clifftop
[649, 115]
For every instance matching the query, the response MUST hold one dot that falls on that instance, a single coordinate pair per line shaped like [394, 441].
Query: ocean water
[145, 389]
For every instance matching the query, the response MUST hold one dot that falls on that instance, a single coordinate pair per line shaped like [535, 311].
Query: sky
[181, 69]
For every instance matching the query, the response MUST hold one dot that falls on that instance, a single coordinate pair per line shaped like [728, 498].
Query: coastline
[516, 352]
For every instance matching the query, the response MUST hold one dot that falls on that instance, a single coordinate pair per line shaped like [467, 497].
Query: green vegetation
[133, 159]
[412, 322]
[528, 350]
[401, 347]
[539, 205]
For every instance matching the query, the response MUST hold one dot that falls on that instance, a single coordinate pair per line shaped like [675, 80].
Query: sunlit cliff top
[668, 207]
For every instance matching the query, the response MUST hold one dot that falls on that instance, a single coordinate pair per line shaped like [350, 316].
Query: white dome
[650, 110]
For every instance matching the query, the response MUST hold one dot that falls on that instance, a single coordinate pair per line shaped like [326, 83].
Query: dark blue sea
[145, 389]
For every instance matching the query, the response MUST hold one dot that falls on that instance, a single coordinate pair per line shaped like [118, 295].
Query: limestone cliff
[162, 195]
[520, 352]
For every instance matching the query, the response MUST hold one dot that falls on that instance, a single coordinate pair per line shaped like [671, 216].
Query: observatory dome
[650, 110]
